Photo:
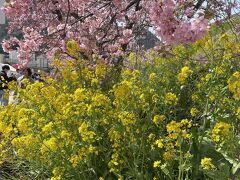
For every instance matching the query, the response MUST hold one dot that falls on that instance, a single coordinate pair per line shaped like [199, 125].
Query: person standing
[4, 80]
[26, 74]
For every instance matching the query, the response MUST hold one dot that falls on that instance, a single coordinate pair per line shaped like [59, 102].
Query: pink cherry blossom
[101, 26]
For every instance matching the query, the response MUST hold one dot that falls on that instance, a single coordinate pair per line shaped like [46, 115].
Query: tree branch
[199, 4]
[137, 2]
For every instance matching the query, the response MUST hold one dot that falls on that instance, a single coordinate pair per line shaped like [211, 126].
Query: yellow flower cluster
[171, 98]
[26, 146]
[238, 112]
[72, 47]
[194, 112]
[221, 131]
[123, 91]
[115, 138]
[127, 118]
[156, 164]
[158, 119]
[152, 77]
[184, 74]
[85, 133]
[234, 84]
[50, 145]
[195, 98]
[206, 164]
[159, 143]
[176, 129]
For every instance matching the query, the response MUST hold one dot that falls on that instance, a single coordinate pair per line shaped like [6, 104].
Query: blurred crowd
[7, 76]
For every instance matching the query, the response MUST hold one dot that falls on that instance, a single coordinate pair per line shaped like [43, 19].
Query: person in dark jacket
[4, 80]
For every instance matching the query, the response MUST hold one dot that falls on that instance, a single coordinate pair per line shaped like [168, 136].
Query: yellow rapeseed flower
[23, 125]
[184, 74]
[100, 70]
[56, 178]
[171, 98]
[50, 145]
[126, 118]
[72, 47]
[238, 112]
[212, 98]
[206, 164]
[123, 91]
[156, 164]
[220, 70]
[220, 131]
[47, 129]
[74, 160]
[167, 155]
[173, 129]
[208, 77]
[152, 77]
[195, 98]
[234, 84]
[159, 143]
[85, 132]
[158, 119]
[194, 112]
[151, 136]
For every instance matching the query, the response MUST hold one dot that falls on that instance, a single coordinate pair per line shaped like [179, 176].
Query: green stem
[180, 163]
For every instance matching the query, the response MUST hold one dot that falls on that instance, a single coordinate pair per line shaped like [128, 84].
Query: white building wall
[13, 57]
[2, 15]
[1, 58]
[39, 62]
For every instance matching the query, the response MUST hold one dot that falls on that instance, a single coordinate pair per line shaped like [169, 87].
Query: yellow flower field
[164, 117]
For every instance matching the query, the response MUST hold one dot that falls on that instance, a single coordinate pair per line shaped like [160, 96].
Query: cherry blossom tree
[104, 26]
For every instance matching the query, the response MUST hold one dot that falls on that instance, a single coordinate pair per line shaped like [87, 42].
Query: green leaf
[235, 168]
[165, 170]
[235, 163]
